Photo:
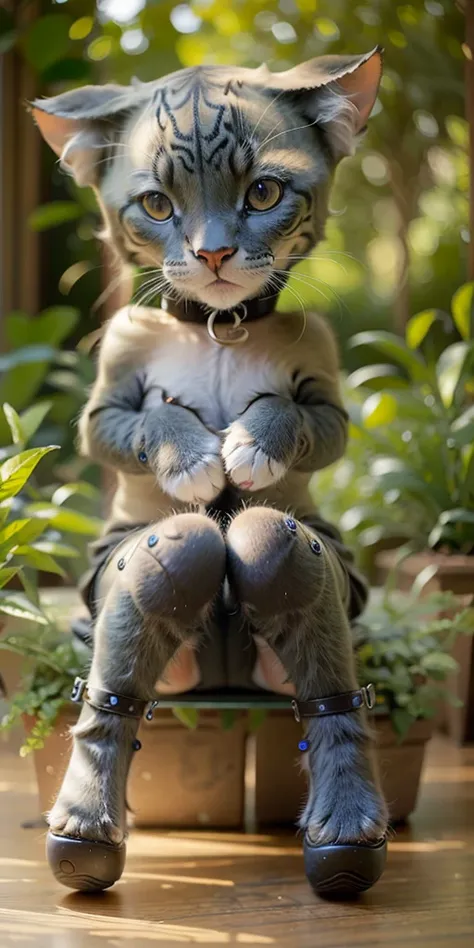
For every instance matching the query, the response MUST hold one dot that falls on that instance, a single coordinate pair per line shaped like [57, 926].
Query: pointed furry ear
[338, 92]
[74, 123]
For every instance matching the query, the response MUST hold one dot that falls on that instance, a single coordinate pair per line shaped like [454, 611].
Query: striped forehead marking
[182, 108]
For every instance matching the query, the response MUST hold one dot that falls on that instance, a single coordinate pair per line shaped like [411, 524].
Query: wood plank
[217, 888]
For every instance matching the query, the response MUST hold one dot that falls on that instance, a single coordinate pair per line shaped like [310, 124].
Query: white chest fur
[218, 381]
[180, 360]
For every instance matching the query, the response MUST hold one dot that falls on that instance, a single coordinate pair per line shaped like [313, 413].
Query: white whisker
[287, 131]
[272, 102]
[298, 299]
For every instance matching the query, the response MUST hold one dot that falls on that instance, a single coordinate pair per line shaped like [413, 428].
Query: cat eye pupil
[157, 206]
[264, 194]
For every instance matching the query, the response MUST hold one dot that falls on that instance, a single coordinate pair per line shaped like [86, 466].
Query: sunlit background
[394, 259]
[396, 239]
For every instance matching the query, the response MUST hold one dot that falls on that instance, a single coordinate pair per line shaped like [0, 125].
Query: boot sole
[343, 871]
[83, 864]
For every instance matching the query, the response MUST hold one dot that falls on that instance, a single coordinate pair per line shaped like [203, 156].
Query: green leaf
[256, 717]
[32, 418]
[68, 69]
[418, 327]
[14, 423]
[17, 605]
[47, 40]
[458, 130]
[462, 307]
[66, 382]
[436, 536]
[457, 515]
[57, 549]
[53, 214]
[379, 409]
[377, 377]
[402, 721]
[19, 532]
[228, 717]
[453, 700]
[26, 356]
[51, 327]
[39, 560]
[423, 579]
[7, 574]
[395, 349]
[462, 429]
[450, 368]
[15, 472]
[454, 528]
[28, 581]
[68, 520]
[8, 33]
[467, 490]
[24, 372]
[7, 41]
[392, 474]
[439, 662]
[79, 488]
[188, 716]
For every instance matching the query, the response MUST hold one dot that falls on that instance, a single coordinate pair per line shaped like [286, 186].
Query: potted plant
[411, 462]
[33, 519]
[203, 763]
[193, 763]
[404, 645]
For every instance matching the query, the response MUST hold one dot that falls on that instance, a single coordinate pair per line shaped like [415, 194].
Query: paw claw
[200, 484]
[246, 464]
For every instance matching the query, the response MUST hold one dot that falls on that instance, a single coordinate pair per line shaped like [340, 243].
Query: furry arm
[128, 425]
[303, 435]
[302, 428]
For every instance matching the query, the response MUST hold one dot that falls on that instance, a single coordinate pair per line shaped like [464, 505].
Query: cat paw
[246, 463]
[198, 484]
[83, 821]
[347, 819]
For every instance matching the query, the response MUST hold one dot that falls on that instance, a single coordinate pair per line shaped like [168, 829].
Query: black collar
[188, 311]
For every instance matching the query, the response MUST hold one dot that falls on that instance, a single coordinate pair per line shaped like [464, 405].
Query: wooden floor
[211, 889]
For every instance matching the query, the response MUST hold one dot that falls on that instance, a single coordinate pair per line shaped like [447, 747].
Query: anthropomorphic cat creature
[214, 410]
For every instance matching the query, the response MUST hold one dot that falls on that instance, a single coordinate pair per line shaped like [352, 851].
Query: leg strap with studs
[336, 704]
[111, 702]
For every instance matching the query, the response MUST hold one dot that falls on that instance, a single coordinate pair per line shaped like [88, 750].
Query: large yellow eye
[264, 194]
[157, 206]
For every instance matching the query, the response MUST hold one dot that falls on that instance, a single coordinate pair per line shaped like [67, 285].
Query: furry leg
[157, 590]
[293, 588]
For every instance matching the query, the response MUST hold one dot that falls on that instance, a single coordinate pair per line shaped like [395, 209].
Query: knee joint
[275, 563]
[176, 568]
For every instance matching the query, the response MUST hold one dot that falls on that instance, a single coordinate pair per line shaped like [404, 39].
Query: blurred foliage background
[397, 236]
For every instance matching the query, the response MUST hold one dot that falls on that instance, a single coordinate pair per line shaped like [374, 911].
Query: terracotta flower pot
[178, 778]
[233, 778]
[454, 574]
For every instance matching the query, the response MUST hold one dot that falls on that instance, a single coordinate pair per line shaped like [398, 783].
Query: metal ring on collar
[233, 336]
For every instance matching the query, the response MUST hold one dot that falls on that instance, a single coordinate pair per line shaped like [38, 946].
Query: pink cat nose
[215, 258]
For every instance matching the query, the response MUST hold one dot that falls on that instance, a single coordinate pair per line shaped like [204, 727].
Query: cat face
[209, 189]
[217, 177]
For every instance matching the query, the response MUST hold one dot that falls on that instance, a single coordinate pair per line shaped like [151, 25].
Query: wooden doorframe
[20, 185]
[469, 50]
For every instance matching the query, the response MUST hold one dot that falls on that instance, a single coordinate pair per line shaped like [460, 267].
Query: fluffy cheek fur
[268, 246]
